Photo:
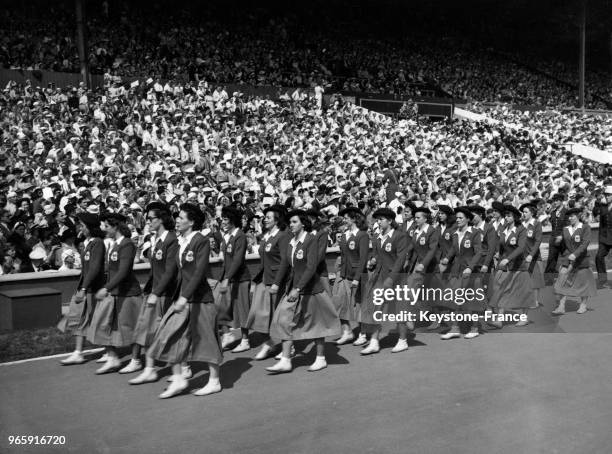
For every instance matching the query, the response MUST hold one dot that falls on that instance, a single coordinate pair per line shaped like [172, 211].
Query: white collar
[185, 240]
[272, 233]
[298, 239]
[481, 226]
[510, 230]
[205, 231]
[162, 237]
[468, 229]
[388, 235]
[573, 229]
[352, 232]
[530, 222]
[424, 228]
[119, 240]
[232, 233]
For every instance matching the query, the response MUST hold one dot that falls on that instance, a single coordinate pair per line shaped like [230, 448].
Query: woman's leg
[560, 310]
[583, 305]
[402, 341]
[178, 384]
[320, 361]
[214, 382]
[454, 332]
[284, 363]
[373, 346]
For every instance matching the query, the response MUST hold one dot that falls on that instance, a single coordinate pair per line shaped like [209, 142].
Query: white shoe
[75, 358]
[263, 352]
[361, 340]
[226, 340]
[148, 375]
[178, 385]
[243, 346]
[346, 337]
[320, 363]
[103, 358]
[186, 373]
[433, 326]
[109, 366]
[133, 366]
[280, 355]
[450, 335]
[402, 345]
[559, 311]
[582, 309]
[373, 347]
[283, 365]
[471, 335]
[210, 388]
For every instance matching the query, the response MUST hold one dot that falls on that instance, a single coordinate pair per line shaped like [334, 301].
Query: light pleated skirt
[468, 293]
[188, 335]
[346, 300]
[310, 317]
[577, 283]
[148, 320]
[78, 318]
[114, 320]
[262, 308]
[537, 276]
[512, 290]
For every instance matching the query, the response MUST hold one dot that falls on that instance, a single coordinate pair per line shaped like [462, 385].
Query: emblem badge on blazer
[513, 241]
[159, 254]
[299, 255]
[388, 247]
[86, 258]
[447, 236]
[114, 256]
[422, 241]
[577, 238]
[352, 245]
[530, 233]
[268, 247]
[189, 256]
[467, 244]
[229, 248]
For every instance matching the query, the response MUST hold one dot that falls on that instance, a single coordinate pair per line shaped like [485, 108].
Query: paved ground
[509, 392]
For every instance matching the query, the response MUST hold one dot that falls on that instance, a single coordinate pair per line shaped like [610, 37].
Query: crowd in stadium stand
[229, 47]
[116, 149]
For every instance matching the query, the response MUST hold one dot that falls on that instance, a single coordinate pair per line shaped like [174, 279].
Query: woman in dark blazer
[512, 289]
[160, 286]
[188, 331]
[306, 311]
[320, 226]
[82, 304]
[354, 252]
[119, 300]
[235, 280]
[576, 278]
[532, 252]
[389, 252]
[465, 256]
[269, 281]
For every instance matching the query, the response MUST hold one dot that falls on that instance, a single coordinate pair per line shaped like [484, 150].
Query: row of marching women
[186, 309]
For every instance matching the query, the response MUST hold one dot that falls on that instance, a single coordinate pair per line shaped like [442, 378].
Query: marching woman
[354, 252]
[446, 228]
[388, 259]
[512, 288]
[306, 311]
[119, 300]
[321, 234]
[532, 257]
[188, 331]
[160, 286]
[235, 279]
[575, 276]
[269, 282]
[465, 255]
[91, 280]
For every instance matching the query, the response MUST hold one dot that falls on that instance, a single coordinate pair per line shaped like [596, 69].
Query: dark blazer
[273, 263]
[605, 222]
[390, 255]
[304, 273]
[513, 247]
[426, 248]
[92, 271]
[354, 251]
[577, 243]
[490, 244]
[121, 278]
[217, 271]
[466, 254]
[534, 239]
[408, 227]
[322, 238]
[193, 264]
[234, 263]
[445, 240]
[557, 223]
[164, 267]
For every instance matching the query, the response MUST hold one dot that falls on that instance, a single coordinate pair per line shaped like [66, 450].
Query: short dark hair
[165, 217]
[194, 214]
